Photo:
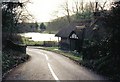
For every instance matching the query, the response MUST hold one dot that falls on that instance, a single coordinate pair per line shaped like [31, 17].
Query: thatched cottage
[72, 36]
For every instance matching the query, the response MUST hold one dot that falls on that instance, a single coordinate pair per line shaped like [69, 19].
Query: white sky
[42, 10]
[46, 10]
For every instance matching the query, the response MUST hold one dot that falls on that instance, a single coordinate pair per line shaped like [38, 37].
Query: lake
[40, 36]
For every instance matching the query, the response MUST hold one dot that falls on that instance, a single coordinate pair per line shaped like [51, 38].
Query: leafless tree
[102, 6]
[78, 7]
[67, 10]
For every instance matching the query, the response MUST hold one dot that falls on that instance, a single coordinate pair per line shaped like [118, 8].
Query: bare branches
[92, 6]
[102, 6]
[13, 13]
[67, 10]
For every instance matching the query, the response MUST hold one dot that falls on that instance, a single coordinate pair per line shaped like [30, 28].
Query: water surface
[40, 36]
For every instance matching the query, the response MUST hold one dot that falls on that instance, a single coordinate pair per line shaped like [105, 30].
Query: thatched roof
[74, 26]
[79, 30]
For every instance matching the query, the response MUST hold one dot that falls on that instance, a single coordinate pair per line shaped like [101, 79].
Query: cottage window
[74, 36]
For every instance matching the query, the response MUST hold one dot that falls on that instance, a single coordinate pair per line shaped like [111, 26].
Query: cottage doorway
[74, 44]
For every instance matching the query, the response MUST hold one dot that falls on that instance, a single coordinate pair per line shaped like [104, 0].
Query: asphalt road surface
[46, 65]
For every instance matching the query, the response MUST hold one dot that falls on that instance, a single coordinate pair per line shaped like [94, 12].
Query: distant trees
[42, 27]
[78, 10]
[83, 10]
[55, 25]
[36, 26]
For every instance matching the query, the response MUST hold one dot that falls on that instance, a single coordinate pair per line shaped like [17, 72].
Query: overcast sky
[46, 10]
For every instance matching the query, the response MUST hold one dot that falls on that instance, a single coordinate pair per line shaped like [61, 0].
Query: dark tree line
[9, 16]
[12, 14]
[12, 54]
[104, 55]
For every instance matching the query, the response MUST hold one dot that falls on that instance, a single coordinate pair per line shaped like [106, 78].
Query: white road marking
[46, 57]
[53, 74]
[51, 70]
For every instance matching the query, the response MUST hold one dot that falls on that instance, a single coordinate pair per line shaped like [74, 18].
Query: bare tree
[65, 7]
[78, 7]
[102, 6]
[67, 11]
[25, 16]
[12, 13]
[81, 9]
[92, 6]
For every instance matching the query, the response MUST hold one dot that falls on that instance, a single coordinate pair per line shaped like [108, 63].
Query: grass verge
[29, 42]
[25, 40]
[70, 54]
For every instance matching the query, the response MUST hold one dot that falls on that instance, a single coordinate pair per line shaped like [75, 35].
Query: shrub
[50, 43]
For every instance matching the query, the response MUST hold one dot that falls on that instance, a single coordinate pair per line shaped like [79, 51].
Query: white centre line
[51, 70]
[46, 57]
[53, 74]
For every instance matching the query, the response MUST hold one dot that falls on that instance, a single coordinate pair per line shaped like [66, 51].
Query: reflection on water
[40, 36]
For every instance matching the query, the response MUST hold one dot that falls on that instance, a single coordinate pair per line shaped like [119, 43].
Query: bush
[11, 58]
[50, 43]
[103, 56]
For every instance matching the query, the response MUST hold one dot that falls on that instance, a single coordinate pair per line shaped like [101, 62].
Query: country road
[46, 65]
